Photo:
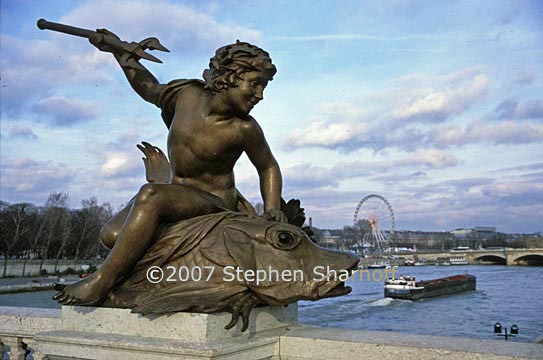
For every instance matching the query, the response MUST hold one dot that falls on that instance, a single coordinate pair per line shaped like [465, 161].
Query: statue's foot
[89, 291]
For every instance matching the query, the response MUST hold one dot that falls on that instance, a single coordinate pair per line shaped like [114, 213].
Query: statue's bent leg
[153, 204]
[111, 230]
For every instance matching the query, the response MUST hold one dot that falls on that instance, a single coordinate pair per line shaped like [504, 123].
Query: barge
[407, 288]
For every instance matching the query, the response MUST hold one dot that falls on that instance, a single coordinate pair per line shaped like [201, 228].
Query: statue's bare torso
[203, 148]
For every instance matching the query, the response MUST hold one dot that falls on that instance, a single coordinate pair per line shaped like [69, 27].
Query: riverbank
[31, 284]
[37, 267]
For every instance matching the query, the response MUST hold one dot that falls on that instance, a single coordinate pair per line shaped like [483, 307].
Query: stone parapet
[176, 326]
[102, 333]
[18, 327]
[26, 322]
[325, 343]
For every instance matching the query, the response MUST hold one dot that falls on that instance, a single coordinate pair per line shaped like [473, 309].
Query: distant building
[462, 233]
[423, 239]
[485, 232]
[407, 240]
[331, 238]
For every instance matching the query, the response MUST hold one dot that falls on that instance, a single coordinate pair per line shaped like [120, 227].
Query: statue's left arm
[271, 182]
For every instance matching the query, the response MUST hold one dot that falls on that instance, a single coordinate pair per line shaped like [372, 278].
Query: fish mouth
[335, 288]
[339, 289]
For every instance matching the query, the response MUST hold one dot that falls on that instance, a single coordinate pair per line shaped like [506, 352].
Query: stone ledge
[25, 322]
[44, 332]
[177, 326]
[326, 343]
[86, 345]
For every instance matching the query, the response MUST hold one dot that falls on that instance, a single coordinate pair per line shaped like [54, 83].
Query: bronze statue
[209, 128]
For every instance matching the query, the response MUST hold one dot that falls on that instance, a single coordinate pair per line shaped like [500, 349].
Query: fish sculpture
[224, 244]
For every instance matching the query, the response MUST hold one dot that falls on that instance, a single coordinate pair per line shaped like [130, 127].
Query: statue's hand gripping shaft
[107, 41]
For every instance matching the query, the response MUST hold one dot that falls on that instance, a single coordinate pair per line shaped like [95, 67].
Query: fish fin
[242, 250]
[217, 253]
[157, 166]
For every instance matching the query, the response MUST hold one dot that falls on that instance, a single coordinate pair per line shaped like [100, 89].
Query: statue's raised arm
[127, 55]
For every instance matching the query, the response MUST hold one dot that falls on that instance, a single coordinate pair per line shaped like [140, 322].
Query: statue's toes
[62, 299]
[59, 287]
[58, 295]
[71, 301]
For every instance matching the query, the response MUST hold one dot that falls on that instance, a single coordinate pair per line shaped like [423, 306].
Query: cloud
[431, 158]
[64, 111]
[507, 132]
[118, 158]
[347, 136]
[328, 134]
[400, 117]
[515, 192]
[26, 179]
[309, 176]
[118, 165]
[436, 105]
[21, 131]
[179, 28]
[400, 177]
[520, 168]
[512, 109]
[34, 70]
[524, 78]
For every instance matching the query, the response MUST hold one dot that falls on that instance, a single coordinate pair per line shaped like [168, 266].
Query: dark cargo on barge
[406, 287]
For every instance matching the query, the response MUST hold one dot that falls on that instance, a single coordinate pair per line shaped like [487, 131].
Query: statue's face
[249, 90]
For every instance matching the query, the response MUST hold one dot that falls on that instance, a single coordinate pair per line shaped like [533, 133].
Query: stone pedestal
[106, 333]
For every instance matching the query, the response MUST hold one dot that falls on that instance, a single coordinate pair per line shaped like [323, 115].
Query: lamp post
[498, 330]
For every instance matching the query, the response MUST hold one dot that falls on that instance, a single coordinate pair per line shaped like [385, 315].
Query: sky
[435, 106]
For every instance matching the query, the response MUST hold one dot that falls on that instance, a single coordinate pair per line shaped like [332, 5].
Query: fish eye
[285, 240]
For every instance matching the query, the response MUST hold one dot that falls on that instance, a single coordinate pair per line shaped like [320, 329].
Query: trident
[132, 49]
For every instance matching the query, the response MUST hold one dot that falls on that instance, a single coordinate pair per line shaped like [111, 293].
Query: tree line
[53, 230]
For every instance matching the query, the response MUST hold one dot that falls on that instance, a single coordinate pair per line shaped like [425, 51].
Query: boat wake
[382, 302]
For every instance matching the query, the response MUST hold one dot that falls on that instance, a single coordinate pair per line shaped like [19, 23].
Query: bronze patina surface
[190, 212]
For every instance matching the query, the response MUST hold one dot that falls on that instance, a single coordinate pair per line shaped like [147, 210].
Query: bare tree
[38, 222]
[89, 220]
[95, 217]
[86, 216]
[17, 214]
[54, 208]
[356, 235]
[66, 225]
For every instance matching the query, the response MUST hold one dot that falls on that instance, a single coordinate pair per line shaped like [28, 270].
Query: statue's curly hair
[231, 61]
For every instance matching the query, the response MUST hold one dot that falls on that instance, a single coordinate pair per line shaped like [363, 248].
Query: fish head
[288, 266]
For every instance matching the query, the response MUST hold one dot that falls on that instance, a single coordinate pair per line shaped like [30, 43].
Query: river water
[509, 295]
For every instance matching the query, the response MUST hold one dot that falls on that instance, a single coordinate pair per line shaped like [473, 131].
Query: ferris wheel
[377, 211]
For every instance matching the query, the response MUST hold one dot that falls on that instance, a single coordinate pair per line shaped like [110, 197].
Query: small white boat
[377, 266]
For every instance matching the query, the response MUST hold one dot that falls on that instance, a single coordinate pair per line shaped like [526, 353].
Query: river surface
[509, 295]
